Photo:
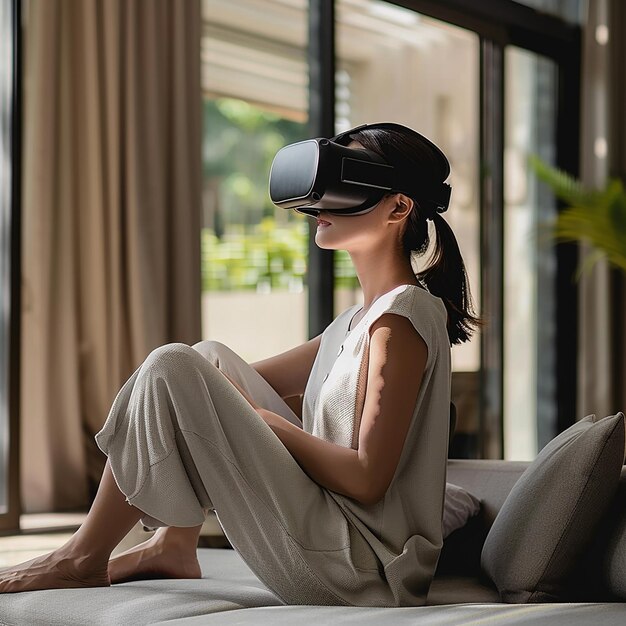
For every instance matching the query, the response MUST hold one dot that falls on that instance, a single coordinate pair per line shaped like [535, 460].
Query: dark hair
[445, 275]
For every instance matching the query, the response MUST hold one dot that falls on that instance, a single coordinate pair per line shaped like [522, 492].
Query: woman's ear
[402, 207]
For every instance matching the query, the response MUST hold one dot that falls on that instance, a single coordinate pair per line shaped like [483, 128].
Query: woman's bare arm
[397, 359]
[289, 371]
[398, 356]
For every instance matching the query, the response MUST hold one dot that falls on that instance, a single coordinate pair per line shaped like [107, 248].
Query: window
[529, 261]
[570, 10]
[254, 76]
[490, 83]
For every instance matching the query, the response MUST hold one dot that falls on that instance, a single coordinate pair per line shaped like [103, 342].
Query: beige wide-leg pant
[181, 439]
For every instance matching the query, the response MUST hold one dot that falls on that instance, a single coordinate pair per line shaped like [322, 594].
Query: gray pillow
[550, 514]
[458, 506]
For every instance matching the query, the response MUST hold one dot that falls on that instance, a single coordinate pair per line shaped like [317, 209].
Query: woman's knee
[170, 357]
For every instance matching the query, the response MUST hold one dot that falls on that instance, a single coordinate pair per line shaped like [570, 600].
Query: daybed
[461, 594]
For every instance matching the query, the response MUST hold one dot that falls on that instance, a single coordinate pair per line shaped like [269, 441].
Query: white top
[404, 528]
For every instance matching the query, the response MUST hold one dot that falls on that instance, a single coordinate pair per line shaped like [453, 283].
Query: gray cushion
[552, 511]
[458, 506]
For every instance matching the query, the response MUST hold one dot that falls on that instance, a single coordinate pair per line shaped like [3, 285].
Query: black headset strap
[438, 194]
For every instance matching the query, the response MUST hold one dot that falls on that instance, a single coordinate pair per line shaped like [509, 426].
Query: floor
[42, 533]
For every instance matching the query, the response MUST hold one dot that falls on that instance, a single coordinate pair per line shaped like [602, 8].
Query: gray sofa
[229, 593]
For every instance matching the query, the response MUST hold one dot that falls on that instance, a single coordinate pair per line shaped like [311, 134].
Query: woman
[343, 507]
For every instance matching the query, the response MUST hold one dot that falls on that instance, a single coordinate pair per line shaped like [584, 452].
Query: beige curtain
[111, 220]
[602, 301]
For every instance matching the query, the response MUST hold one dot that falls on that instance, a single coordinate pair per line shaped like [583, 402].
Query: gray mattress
[229, 593]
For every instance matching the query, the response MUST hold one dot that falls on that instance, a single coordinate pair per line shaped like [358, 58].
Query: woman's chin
[323, 242]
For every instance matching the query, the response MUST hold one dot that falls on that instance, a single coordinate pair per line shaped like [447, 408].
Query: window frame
[10, 29]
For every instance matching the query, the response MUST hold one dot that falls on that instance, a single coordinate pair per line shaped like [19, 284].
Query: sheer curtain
[111, 220]
[602, 349]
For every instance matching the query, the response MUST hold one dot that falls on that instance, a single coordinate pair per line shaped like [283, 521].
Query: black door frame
[321, 61]
[10, 30]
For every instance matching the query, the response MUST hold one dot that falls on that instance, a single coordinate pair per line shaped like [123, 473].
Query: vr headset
[324, 174]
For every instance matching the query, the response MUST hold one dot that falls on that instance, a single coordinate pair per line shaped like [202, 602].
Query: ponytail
[446, 278]
[445, 275]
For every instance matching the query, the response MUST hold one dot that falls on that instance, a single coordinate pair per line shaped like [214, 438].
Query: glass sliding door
[254, 79]
[529, 260]
[490, 90]
[9, 265]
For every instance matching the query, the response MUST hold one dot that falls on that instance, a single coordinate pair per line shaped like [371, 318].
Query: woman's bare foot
[57, 570]
[154, 559]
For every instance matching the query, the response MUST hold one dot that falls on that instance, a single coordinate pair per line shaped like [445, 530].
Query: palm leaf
[595, 216]
[588, 261]
[564, 186]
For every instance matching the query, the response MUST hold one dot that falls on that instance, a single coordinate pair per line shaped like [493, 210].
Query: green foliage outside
[247, 242]
[594, 216]
[267, 256]
[240, 141]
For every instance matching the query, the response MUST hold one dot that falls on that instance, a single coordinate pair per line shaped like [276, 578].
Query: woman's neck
[380, 273]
